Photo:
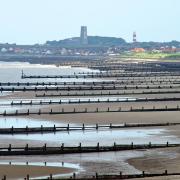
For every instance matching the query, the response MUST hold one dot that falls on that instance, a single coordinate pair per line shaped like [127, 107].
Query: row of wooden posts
[85, 88]
[109, 93]
[81, 101]
[164, 81]
[99, 75]
[44, 150]
[106, 176]
[75, 111]
[84, 127]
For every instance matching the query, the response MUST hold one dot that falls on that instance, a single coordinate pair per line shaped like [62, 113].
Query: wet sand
[156, 161]
[160, 178]
[21, 171]
[114, 118]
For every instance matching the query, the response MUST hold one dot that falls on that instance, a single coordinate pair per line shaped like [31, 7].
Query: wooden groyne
[41, 129]
[97, 110]
[85, 88]
[45, 150]
[76, 94]
[110, 82]
[114, 176]
[88, 101]
[101, 176]
[108, 75]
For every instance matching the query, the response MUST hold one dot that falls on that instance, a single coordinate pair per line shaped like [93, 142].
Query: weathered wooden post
[80, 147]
[115, 146]
[98, 146]
[97, 126]
[120, 174]
[62, 147]
[74, 175]
[110, 125]
[132, 145]
[28, 112]
[83, 127]
[27, 147]
[27, 177]
[54, 128]
[96, 176]
[9, 148]
[45, 147]
[41, 128]
[68, 127]
[39, 113]
[149, 144]
[177, 107]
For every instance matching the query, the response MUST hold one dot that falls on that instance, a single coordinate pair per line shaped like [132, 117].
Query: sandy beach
[156, 161]
[15, 172]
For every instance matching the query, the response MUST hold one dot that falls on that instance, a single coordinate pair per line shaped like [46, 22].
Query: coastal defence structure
[83, 35]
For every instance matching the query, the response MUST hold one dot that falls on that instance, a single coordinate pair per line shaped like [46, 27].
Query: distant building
[138, 50]
[84, 37]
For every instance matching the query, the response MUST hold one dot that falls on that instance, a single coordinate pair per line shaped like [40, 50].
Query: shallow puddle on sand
[104, 137]
[23, 122]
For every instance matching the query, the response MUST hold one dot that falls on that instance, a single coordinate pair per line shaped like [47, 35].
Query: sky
[36, 21]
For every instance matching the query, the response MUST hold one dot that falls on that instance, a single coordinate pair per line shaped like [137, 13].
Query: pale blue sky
[35, 21]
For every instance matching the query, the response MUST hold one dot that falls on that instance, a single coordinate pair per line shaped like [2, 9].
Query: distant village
[89, 46]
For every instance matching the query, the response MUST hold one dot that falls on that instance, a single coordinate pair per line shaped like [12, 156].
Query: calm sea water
[11, 72]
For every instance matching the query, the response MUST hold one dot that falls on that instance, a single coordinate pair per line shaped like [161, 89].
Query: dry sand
[110, 117]
[21, 171]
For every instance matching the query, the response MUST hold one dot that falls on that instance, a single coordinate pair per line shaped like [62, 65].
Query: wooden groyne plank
[45, 150]
[85, 88]
[96, 76]
[106, 94]
[88, 101]
[108, 82]
[97, 110]
[41, 129]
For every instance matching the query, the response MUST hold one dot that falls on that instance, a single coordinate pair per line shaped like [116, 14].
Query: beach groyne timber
[45, 150]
